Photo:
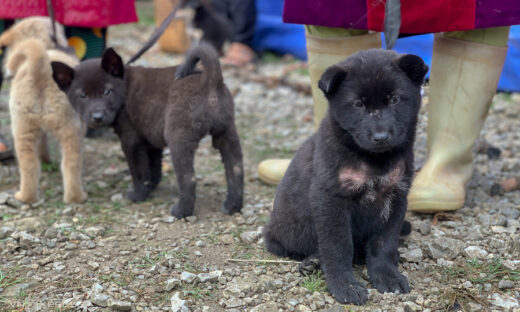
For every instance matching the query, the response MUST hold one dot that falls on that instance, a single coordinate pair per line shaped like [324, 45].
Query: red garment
[79, 13]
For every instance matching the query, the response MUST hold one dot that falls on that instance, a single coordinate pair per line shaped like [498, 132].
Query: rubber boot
[463, 82]
[322, 52]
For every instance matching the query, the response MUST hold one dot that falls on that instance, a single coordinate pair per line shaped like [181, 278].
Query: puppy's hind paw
[231, 206]
[348, 291]
[137, 196]
[26, 198]
[178, 212]
[390, 283]
[76, 198]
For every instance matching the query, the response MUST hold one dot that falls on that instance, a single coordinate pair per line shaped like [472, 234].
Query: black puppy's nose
[97, 116]
[381, 137]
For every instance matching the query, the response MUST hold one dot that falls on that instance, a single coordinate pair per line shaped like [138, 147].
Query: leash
[54, 37]
[156, 33]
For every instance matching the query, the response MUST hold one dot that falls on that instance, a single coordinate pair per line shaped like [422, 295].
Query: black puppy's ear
[112, 63]
[331, 79]
[414, 67]
[63, 75]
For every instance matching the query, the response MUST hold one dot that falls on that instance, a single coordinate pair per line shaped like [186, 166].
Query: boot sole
[268, 180]
[432, 206]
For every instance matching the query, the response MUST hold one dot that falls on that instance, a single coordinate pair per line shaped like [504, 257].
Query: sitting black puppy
[343, 198]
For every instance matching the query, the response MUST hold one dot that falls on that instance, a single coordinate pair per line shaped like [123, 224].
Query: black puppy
[343, 198]
[151, 108]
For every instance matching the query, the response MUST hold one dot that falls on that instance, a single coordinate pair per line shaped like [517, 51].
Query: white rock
[504, 301]
[475, 252]
[414, 255]
[172, 283]
[120, 305]
[100, 300]
[177, 304]
[212, 276]
[188, 277]
[117, 197]
[250, 236]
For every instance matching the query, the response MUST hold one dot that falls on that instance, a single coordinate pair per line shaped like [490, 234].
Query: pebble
[6, 231]
[424, 227]
[506, 284]
[120, 305]
[177, 304]
[117, 198]
[172, 283]
[504, 301]
[444, 247]
[188, 277]
[414, 255]
[210, 277]
[250, 236]
[100, 300]
[473, 252]
[227, 239]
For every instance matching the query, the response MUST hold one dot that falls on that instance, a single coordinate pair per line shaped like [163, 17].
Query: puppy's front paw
[348, 290]
[26, 198]
[231, 206]
[75, 198]
[137, 195]
[390, 282]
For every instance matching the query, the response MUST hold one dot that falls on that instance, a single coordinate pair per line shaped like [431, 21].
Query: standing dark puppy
[343, 197]
[151, 108]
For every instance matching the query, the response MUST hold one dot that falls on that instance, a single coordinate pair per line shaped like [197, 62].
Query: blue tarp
[271, 34]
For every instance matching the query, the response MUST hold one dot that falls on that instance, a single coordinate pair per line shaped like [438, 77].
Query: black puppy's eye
[107, 92]
[358, 103]
[394, 100]
[83, 95]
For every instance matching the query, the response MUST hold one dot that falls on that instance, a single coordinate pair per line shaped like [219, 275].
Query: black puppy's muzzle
[98, 118]
[381, 137]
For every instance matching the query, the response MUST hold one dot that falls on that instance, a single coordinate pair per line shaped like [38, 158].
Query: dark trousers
[242, 14]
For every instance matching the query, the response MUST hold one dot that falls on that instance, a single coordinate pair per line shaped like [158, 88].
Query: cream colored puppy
[37, 106]
[33, 27]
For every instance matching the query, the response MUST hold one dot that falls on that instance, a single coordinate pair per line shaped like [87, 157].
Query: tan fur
[37, 106]
[33, 27]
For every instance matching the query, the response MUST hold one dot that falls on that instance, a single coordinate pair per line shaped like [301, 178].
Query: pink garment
[79, 13]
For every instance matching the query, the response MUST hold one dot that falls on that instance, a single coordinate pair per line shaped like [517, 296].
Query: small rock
[233, 303]
[6, 231]
[197, 253]
[45, 261]
[120, 305]
[414, 255]
[27, 241]
[227, 239]
[473, 252]
[171, 284]
[96, 288]
[505, 284]
[71, 246]
[168, 219]
[13, 202]
[100, 300]
[188, 277]
[250, 236]
[191, 219]
[266, 307]
[177, 304]
[93, 265]
[50, 233]
[425, 227]
[95, 231]
[210, 277]
[4, 197]
[444, 247]
[117, 198]
[504, 301]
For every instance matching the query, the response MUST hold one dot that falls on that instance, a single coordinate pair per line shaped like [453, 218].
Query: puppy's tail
[204, 52]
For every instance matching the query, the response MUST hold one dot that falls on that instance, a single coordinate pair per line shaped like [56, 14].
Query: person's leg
[466, 67]
[87, 42]
[242, 15]
[325, 47]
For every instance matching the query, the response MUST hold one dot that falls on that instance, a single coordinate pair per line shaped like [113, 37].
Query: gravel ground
[110, 254]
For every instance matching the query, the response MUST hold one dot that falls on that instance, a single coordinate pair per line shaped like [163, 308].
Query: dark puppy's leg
[382, 254]
[155, 156]
[336, 249]
[183, 154]
[228, 143]
[137, 158]
[309, 265]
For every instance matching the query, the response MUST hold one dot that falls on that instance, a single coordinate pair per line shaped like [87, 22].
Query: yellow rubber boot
[322, 52]
[463, 82]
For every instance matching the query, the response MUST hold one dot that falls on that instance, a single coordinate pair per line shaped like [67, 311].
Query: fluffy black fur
[343, 198]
